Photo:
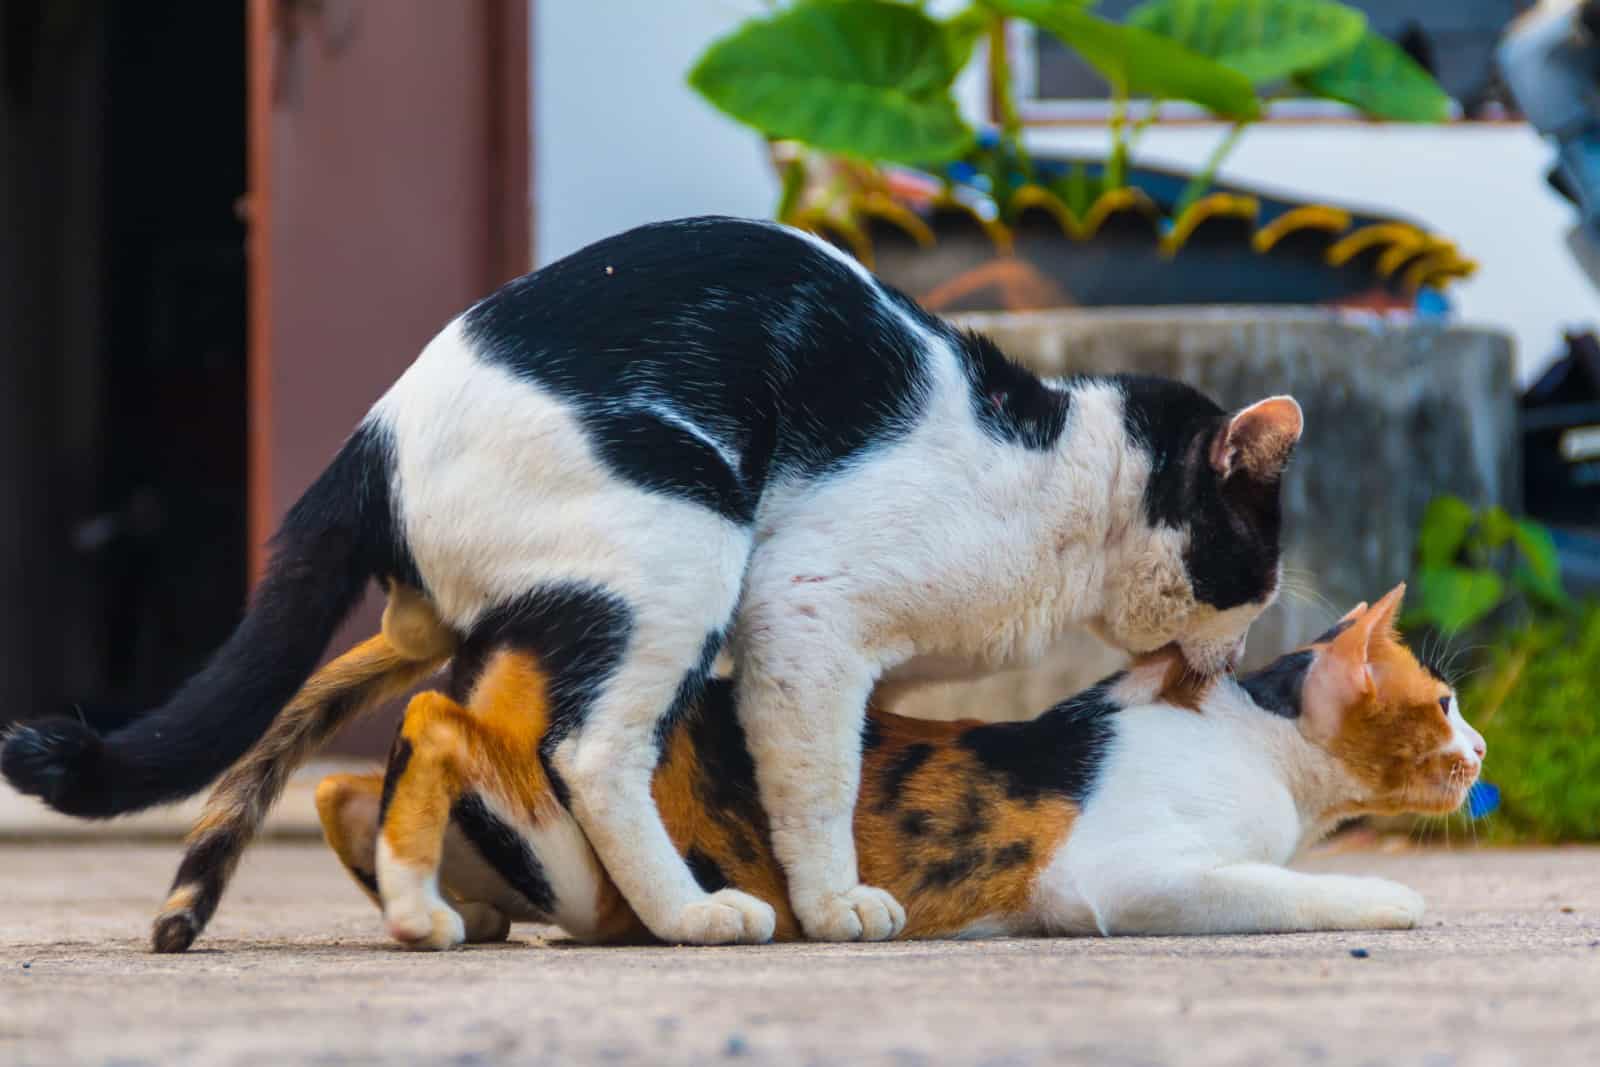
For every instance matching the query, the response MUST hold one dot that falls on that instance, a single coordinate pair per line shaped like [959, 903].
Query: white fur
[1191, 823]
[416, 913]
[1465, 742]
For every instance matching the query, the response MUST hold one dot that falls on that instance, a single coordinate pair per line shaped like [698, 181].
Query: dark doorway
[123, 546]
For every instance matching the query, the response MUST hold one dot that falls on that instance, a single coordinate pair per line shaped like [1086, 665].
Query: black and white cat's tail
[340, 534]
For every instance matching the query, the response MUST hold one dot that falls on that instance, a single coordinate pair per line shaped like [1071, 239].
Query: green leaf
[1496, 527]
[1444, 530]
[1139, 63]
[1382, 81]
[961, 34]
[1539, 574]
[863, 78]
[1265, 40]
[1453, 598]
[1537, 547]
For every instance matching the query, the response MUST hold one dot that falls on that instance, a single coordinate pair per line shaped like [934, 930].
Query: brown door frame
[507, 67]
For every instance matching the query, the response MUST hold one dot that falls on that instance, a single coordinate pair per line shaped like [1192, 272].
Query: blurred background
[229, 224]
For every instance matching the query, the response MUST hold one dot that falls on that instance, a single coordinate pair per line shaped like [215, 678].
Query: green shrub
[1537, 703]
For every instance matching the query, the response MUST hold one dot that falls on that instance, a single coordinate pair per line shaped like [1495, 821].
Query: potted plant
[855, 98]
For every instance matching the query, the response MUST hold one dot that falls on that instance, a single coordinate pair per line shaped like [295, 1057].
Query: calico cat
[707, 432]
[1152, 803]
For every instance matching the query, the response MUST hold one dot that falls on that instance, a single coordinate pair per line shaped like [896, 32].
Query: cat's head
[1391, 722]
[1201, 562]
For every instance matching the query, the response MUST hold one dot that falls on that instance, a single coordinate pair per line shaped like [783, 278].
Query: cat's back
[719, 303]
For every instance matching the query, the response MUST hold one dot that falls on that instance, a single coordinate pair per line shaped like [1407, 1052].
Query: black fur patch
[339, 534]
[905, 764]
[1013, 855]
[914, 823]
[368, 880]
[726, 786]
[1234, 524]
[1059, 752]
[505, 850]
[1276, 687]
[942, 874]
[578, 635]
[1011, 403]
[399, 760]
[706, 871]
[1333, 631]
[691, 689]
[781, 357]
[871, 733]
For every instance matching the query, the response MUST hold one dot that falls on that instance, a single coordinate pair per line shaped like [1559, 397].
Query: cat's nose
[1480, 748]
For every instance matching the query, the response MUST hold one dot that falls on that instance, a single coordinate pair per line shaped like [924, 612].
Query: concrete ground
[296, 970]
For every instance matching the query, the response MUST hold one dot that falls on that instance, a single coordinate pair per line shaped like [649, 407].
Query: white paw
[433, 929]
[859, 914]
[1393, 907]
[726, 917]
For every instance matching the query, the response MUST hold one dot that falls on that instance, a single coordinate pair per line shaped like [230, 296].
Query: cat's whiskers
[1300, 586]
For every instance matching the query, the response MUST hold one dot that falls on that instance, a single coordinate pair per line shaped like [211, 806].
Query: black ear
[1258, 439]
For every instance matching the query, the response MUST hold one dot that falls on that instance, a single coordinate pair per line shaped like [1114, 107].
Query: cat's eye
[1444, 702]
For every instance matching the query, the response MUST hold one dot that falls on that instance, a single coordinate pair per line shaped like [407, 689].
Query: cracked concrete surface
[295, 969]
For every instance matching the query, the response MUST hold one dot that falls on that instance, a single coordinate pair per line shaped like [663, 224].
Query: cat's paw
[1392, 906]
[429, 929]
[726, 917]
[860, 914]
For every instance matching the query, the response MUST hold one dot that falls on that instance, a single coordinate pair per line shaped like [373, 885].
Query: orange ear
[1353, 612]
[1386, 611]
[1341, 677]
[1259, 439]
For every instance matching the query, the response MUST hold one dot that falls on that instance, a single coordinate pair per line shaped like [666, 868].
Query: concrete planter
[1394, 416]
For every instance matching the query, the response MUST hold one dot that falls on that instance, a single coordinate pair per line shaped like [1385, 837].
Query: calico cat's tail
[338, 535]
[412, 646]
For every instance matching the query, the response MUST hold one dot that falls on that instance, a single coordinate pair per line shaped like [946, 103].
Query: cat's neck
[1324, 793]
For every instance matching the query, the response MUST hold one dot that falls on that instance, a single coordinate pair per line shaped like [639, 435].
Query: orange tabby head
[1393, 723]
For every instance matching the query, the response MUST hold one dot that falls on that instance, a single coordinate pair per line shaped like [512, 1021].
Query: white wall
[621, 139]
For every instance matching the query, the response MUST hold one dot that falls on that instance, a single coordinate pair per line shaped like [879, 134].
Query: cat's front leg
[803, 687]
[1257, 898]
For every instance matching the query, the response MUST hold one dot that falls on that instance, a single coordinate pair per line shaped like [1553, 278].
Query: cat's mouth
[1449, 790]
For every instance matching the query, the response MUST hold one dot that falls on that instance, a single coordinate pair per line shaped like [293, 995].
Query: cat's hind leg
[607, 755]
[348, 807]
[426, 775]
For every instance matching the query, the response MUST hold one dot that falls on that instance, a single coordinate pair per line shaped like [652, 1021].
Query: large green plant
[1535, 703]
[1532, 664]
[870, 80]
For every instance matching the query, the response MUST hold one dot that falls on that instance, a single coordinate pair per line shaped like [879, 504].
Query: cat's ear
[1353, 612]
[1387, 611]
[1341, 676]
[1258, 439]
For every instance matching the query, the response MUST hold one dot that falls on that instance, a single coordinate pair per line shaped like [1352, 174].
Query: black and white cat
[717, 431]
